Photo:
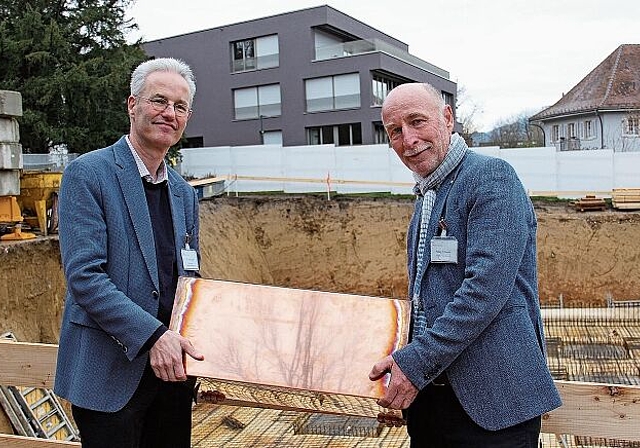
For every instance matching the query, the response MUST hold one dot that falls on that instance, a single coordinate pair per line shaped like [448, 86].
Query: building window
[253, 102]
[380, 134]
[194, 142]
[588, 129]
[341, 135]
[555, 133]
[327, 45]
[333, 92]
[272, 138]
[571, 130]
[631, 126]
[320, 135]
[448, 99]
[381, 88]
[255, 54]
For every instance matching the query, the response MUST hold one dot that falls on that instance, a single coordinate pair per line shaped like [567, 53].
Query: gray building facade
[313, 76]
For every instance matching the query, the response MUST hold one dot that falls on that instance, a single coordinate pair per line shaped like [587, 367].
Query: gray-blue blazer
[483, 313]
[109, 260]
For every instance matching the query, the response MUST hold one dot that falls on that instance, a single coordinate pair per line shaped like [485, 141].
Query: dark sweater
[162, 223]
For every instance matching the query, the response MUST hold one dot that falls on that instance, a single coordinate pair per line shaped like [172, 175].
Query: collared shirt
[142, 169]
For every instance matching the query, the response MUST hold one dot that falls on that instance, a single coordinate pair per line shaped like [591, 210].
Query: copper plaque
[299, 339]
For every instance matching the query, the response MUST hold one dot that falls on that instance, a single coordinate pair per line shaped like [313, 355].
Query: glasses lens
[181, 110]
[161, 104]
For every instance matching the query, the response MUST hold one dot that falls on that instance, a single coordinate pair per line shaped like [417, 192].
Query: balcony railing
[572, 144]
[357, 47]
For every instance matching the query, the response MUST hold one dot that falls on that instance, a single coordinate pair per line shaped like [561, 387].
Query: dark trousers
[157, 416]
[437, 420]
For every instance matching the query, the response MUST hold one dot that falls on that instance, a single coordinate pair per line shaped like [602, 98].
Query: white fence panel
[308, 162]
[368, 164]
[585, 171]
[399, 174]
[536, 167]
[376, 168]
[258, 162]
[492, 151]
[206, 162]
[626, 170]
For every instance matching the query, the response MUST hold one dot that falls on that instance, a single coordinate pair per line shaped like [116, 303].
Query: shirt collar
[161, 174]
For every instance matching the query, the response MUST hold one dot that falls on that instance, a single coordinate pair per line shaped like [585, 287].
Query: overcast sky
[511, 56]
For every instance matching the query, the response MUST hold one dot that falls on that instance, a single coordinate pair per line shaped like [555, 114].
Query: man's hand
[401, 392]
[167, 356]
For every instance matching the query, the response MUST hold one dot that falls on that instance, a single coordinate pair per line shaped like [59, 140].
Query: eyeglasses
[160, 104]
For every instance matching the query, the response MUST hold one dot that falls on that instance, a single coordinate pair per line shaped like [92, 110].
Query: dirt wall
[343, 245]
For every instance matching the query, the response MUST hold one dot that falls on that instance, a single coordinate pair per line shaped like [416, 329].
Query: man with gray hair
[128, 228]
[474, 372]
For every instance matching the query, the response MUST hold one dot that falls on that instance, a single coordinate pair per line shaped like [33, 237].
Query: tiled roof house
[602, 111]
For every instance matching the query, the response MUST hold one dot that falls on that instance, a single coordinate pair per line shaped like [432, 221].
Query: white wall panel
[364, 163]
[399, 174]
[260, 162]
[626, 170]
[308, 162]
[580, 171]
[540, 169]
[206, 162]
[536, 167]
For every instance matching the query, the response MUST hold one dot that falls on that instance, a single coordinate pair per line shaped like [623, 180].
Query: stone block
[10, 103]
[10, 183]
[9, 130]
[10, 156]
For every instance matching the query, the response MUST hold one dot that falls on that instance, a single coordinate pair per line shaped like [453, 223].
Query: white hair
[142, 71]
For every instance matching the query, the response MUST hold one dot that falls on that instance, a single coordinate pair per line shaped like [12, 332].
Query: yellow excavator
[28, 199]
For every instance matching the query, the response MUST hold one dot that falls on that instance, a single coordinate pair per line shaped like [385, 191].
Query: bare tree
[467, 112]
[516, 132]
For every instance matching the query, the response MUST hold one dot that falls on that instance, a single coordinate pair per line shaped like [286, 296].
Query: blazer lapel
[136, 204]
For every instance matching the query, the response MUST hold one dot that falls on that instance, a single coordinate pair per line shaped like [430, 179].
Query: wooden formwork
[590, 409]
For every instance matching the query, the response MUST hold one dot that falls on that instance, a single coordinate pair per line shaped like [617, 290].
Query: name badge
[189, 256]
[444, 249]
[190, 260]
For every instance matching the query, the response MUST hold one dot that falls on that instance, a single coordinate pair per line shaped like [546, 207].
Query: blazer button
[155, 294]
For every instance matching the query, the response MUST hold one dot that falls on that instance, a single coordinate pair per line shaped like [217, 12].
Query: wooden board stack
[589, 203]
[626, 198]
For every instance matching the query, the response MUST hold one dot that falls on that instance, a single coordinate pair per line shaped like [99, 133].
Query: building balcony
[572, 144]
[358, 47]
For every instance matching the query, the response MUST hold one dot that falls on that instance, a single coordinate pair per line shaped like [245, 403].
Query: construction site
[589, 283]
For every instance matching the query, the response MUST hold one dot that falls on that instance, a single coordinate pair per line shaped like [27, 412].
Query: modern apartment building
[313, 76]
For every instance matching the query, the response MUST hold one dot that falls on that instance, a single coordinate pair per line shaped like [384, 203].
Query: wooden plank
[236, 394]
[626, 205]
[299, 339]
[27, 364]
[11, 441]
[625, 197]
[205, 181]
[320, 180]
[596, 410]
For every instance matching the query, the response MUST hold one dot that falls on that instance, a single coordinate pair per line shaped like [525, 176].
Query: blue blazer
[483, 316]
[109, 260]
